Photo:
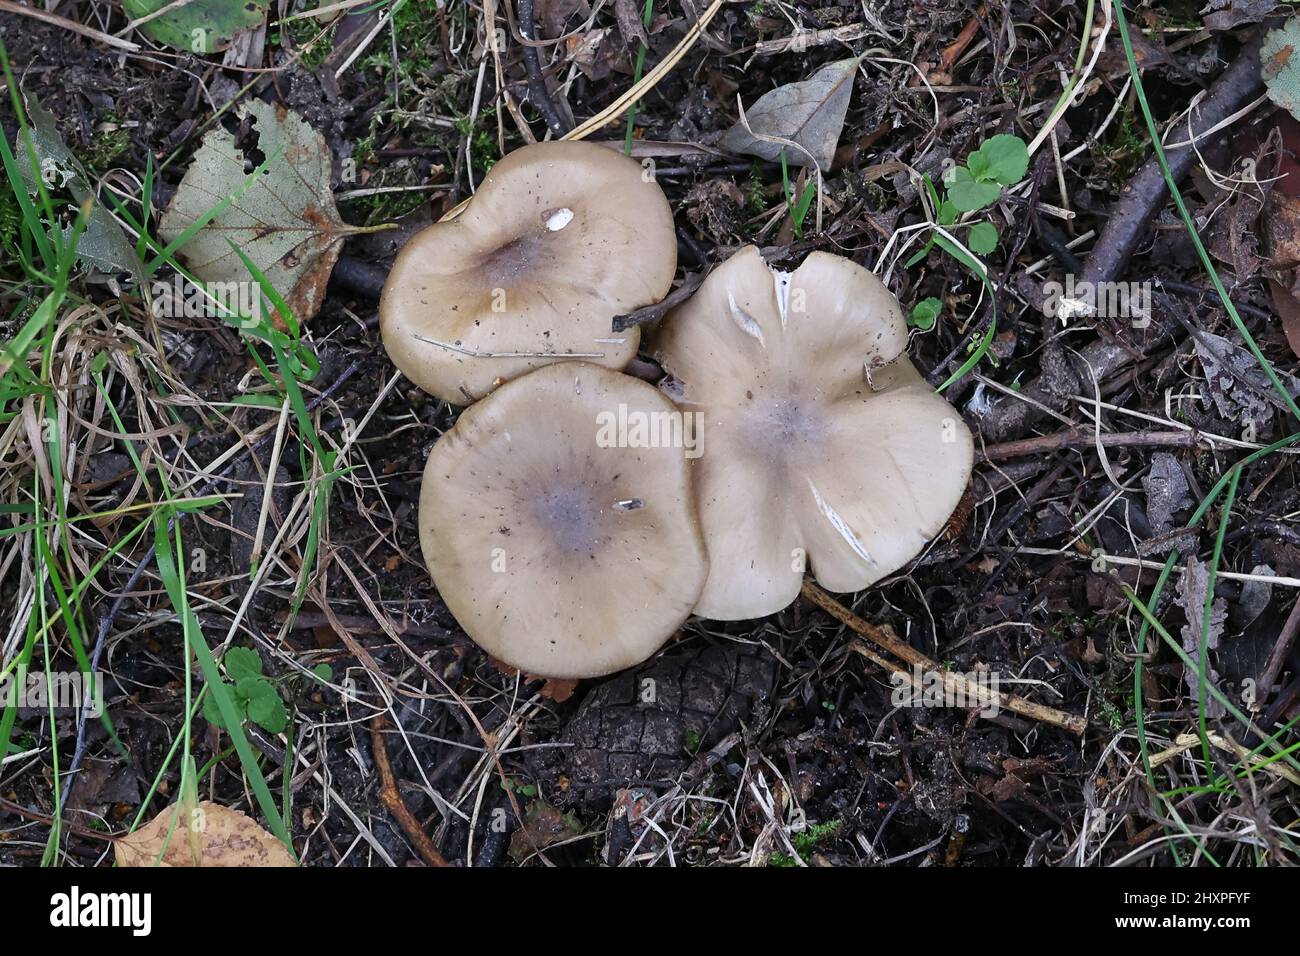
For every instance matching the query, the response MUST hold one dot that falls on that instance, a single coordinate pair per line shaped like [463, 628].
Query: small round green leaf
[924, 314]
[983, 238]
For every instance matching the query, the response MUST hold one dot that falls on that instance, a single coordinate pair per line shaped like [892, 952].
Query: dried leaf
[541, 827]
[559, 689]
[596, 53]
[628, 16]
[1240, 390]
[1280, 67]
[197, 27]
[286, 221]
[1191, 595]
[1167, 491]
[1228, 14]
[810, 113]
[103, 245]
[1254, 598]
[1282, 235]
[224, 838]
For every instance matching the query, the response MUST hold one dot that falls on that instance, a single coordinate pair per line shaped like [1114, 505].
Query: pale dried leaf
[224, 838]
[1280, 67]
[809, 113]
[1167, 491]
[285, 222]
[1227, 14]
[1191, 596]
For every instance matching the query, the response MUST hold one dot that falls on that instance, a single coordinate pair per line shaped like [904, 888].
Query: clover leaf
[983, 238]
[1003, 159]
[924, 314]
[252, 693]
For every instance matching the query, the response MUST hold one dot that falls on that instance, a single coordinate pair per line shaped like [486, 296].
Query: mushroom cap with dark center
[823, 447]
[563, 547]
[558, 239]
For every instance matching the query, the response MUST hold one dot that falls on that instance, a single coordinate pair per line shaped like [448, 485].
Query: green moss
[1120, 154]
[108, 143]
[805, 842]
[302, 37]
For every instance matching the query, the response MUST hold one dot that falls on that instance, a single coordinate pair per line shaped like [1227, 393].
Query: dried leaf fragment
[208, 835]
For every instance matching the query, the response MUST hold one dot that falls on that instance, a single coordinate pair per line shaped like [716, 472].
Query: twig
[801, 40]
[538, 93]
[1147, 191]
[7, 6]
[884, 637]
[391, 797]
[1086, 437]
[1277, 656]
[657, 311]
[958, 46]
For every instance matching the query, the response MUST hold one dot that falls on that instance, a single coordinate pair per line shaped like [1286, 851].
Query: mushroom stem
[884, 637]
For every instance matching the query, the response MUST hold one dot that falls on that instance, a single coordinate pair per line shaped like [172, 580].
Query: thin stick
[957, 683]
[1087, 438]
[392, 798]
[7, 6]
[538, 93]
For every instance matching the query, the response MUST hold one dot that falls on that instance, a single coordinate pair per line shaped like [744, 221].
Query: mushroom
[824, 448]
[558, 522]
[558, 239]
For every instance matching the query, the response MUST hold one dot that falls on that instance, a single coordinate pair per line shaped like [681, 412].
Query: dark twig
[657, 311]
[1147, 191]
[1277, 657]
[106, 622]
[358, 277]
[538, 94]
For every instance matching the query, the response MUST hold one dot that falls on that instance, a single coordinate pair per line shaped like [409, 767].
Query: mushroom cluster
[574, 516]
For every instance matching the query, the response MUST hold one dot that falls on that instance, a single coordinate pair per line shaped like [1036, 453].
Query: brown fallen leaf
[542, 826]
[559, 689]
[210, 835]
[285, 221]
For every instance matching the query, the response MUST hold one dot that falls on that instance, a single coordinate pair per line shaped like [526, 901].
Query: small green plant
[1001, 161]
[925, 313]
[796, 206]
[252, 692]
[519, 787]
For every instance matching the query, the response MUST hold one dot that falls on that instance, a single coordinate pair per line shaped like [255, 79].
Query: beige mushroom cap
[822, 445]
[559, 239]
[562, 544]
